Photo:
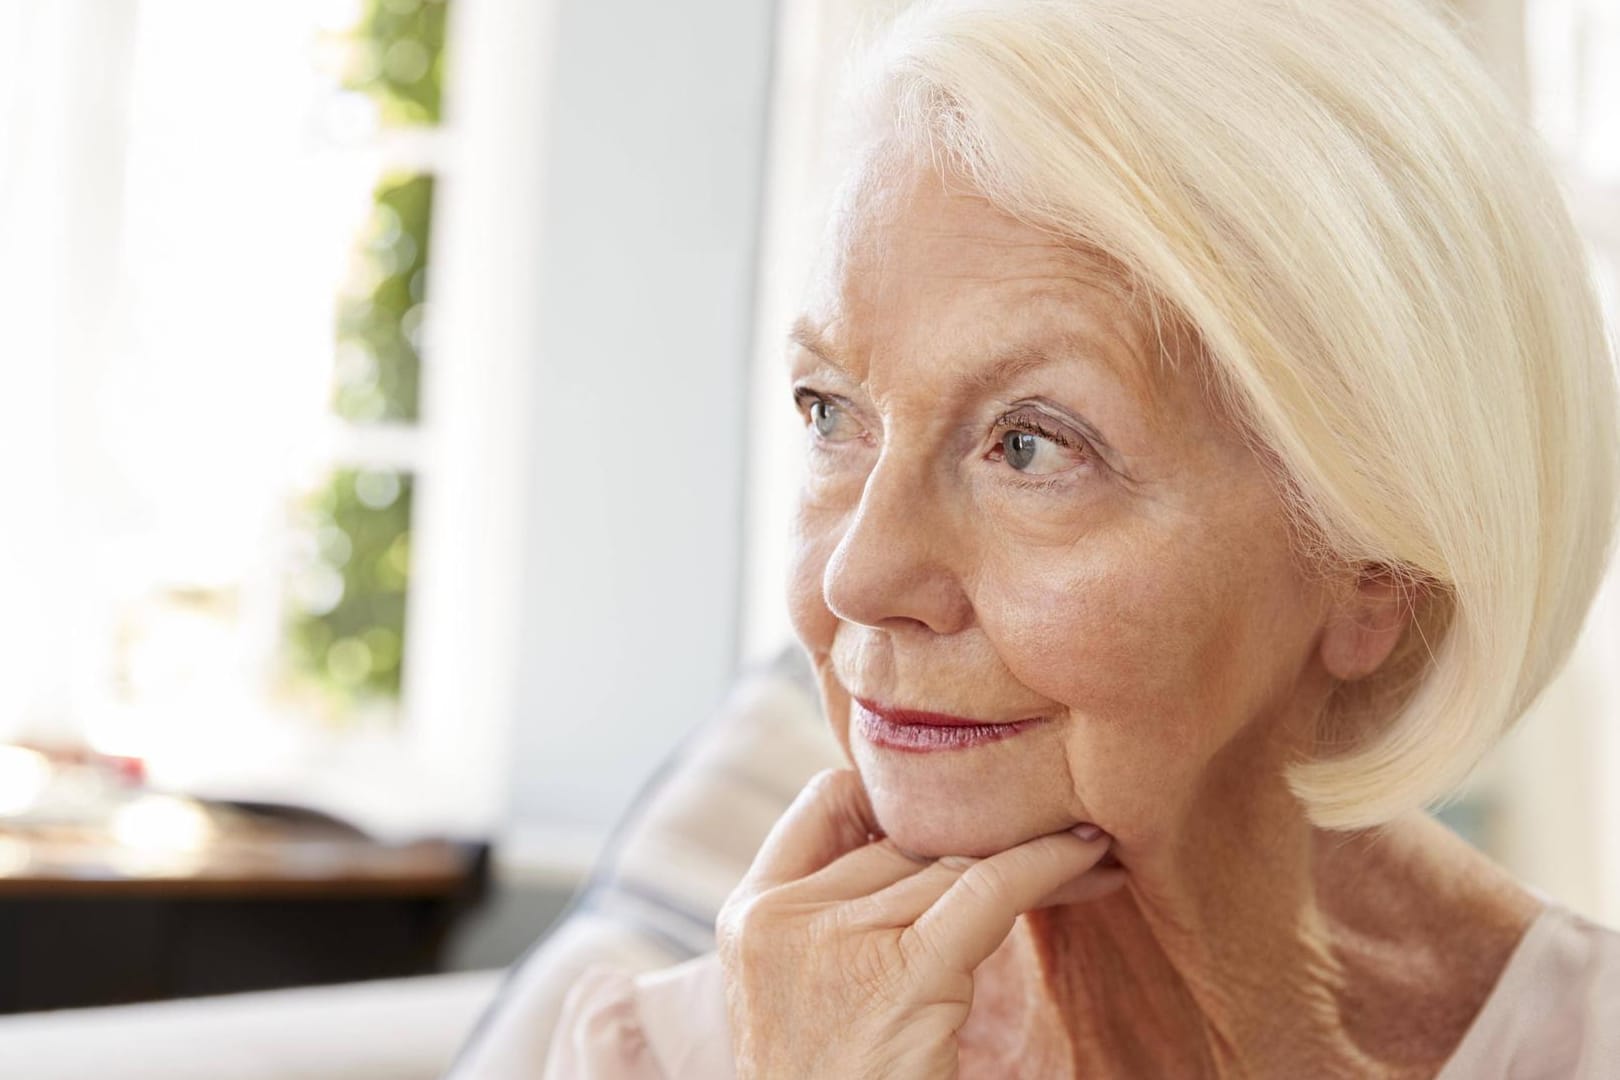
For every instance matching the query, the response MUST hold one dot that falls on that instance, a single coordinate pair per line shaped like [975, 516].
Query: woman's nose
[897, 561]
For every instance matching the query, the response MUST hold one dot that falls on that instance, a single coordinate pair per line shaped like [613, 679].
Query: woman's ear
[1366, 622]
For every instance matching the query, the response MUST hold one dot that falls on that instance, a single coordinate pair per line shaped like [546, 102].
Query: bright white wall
[811, 38]
[647, 237]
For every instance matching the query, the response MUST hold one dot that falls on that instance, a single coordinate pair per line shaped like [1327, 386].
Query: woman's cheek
[814, 539]
[1126, 645]
[1076, 628]
[1095, 614]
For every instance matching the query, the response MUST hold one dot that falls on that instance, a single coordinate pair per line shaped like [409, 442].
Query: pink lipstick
[914, 732]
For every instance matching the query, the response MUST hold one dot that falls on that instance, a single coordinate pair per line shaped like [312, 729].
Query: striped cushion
[652, 898]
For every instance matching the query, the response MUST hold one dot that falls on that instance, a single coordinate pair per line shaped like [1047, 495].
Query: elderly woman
[1210, 441]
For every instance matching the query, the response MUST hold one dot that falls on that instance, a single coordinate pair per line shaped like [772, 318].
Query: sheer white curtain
[166, 306]
[65, 77]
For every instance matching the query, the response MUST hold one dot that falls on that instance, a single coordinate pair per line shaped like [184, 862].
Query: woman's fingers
[839, 944]
[830, 817]
[959, 908]
[1094, 884]
[862, 872]
[902, 902]
[977, 912]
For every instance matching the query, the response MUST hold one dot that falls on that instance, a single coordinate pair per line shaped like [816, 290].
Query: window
[344, 634]
[243, 487]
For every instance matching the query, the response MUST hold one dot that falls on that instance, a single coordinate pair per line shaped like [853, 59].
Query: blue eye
[1019, 449]
[823, 413]
[823, 416]
[1026, 444]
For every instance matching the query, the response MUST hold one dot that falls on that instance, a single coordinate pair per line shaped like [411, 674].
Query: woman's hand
[845, 957]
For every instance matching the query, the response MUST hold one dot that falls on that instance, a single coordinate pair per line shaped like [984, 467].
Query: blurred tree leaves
[382, 311]
[345, 636]
[348, 633]
[401, 61]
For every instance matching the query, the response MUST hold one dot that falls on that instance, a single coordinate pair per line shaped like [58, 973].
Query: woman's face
[1009, 511]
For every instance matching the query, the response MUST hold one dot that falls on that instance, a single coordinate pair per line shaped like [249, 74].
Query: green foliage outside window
[347, 633]
[345, 636]
[401, 59]
[381, 313]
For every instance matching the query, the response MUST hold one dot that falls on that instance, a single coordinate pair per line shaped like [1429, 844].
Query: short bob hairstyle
[1385, 288]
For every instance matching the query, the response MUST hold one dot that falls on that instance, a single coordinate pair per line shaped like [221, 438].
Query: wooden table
[273, 897]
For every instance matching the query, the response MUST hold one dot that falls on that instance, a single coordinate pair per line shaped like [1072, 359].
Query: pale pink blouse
[1553, 1015]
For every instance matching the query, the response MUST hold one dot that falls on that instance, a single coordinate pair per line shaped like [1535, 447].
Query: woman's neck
[1251, 944]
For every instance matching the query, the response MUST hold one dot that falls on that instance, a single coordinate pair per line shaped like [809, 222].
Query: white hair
[1381, 271]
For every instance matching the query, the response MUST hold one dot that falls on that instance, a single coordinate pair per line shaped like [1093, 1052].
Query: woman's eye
[824, 415]
[827, 418]
[1035, 450]
[1020, 448]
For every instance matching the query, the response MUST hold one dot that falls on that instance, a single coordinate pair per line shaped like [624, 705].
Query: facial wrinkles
[1065, 597]
[907, 376]
[1017, 269]
[1163, 622]
[911, 427]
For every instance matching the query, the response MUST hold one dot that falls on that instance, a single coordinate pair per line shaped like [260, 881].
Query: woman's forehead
[917, 262]
[985, 347]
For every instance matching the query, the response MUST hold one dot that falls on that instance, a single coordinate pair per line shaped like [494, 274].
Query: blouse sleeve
[599, 1034]
[1555, 1011]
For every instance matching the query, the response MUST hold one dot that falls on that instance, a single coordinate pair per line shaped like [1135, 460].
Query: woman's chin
[930, 824]
[933, 808]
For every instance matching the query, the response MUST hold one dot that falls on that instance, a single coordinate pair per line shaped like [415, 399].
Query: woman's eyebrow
[1008, 365]
[807, 337]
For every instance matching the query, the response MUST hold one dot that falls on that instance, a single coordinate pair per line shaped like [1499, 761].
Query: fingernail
[1087, 831]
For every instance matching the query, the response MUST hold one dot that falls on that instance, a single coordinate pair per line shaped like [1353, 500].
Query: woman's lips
[914, 732]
